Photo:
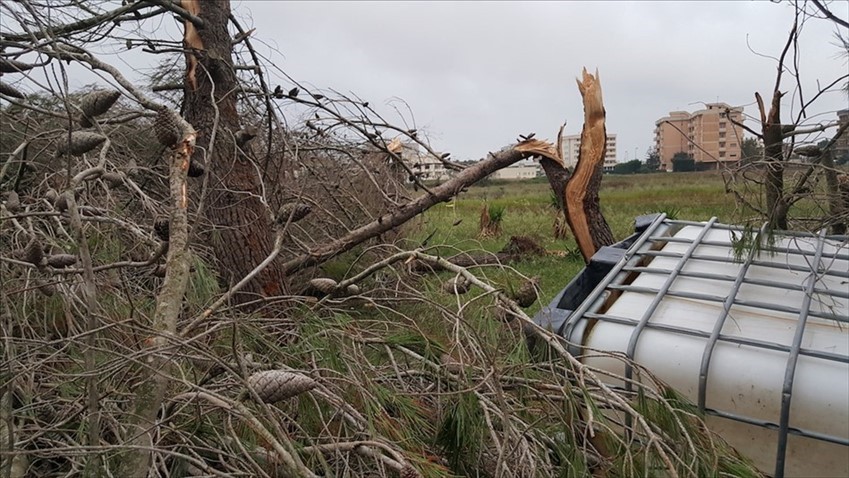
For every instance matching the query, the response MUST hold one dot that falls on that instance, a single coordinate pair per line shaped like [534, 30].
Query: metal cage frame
[580, 302]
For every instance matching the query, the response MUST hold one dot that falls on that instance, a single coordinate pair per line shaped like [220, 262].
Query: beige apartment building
[710, 136]
[571, 147]
[842, 144]
[518, 171]
[424, 165]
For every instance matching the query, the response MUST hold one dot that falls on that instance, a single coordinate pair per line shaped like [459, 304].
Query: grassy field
[529, 212]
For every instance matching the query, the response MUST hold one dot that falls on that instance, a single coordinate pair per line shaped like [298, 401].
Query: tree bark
[149, 395]
[583, 210]
[777, 205]
[243, 234]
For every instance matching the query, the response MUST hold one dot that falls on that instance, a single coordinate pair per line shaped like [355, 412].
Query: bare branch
[825, 11]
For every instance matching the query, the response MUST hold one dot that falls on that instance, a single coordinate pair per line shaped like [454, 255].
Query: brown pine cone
[169, 127]
[276, 385]
[33, 253]
[61, 260]
[408, 471]
[162, 228]
[96, 103]
[81, 142]
[297, 210]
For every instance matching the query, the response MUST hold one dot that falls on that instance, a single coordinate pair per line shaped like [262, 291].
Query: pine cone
[457, 285]
[162, 228]
[33, 253]
[408, 471]
[61, 202]
[51, 195]
[13, 202]
[46, 288]
[528, 293]
[276, 385]
[325, 285]
[9, 90]
[113, 179]
[61, 260]
[81, 143]
[169, 127]
[297, 210]
[96, 103]
[196, 168]
[352, 289]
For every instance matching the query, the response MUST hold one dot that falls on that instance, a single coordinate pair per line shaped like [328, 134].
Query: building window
[722, 154]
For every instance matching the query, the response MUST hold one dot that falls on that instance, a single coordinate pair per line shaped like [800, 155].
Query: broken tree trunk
[583, 211]
[150, 394]
[577, 193]
[777, 204]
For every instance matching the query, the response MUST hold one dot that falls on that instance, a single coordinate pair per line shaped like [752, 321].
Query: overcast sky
[477, 74]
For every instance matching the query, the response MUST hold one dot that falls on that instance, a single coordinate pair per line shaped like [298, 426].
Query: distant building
[571, 146]
[518, 171]
[710, 136]
[841, 146]
[426, 166]
[431, 168]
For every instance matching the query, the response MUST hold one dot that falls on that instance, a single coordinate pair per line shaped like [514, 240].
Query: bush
[631, 167]
[683, 162]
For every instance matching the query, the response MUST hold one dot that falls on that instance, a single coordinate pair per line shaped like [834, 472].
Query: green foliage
[652, 162]
[203, 284]
[672, 212]
[496, 213]
[751, 150]
[631, 167]
[749, 239]
[461, 431]
[683, 163]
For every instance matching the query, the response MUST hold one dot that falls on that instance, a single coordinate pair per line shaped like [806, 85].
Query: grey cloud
[479, 73]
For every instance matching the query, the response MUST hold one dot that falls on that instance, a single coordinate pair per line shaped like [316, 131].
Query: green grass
[527, 210]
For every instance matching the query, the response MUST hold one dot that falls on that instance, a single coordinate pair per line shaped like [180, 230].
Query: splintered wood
[192, 42]
[581, 200]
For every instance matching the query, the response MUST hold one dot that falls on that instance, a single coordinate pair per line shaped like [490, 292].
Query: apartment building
[431, 168]
[571, 147]
[841, 146]
[709, 135]
[426, 166]
[518, 171]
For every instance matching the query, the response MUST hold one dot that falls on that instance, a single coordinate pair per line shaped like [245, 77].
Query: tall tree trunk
[242, 235]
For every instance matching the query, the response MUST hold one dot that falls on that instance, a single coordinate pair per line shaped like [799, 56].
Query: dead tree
[781, 184]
